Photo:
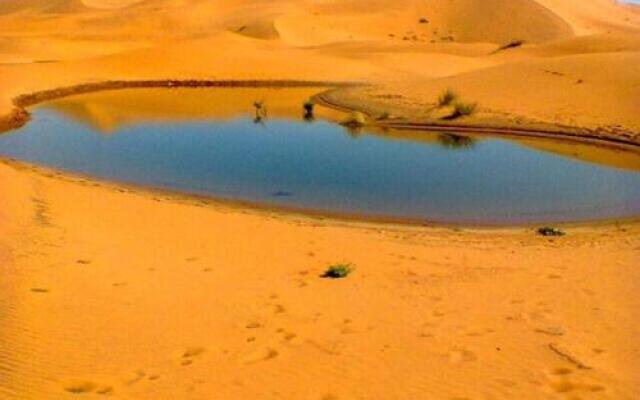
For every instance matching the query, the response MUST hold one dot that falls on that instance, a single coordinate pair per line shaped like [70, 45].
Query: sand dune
[374, 41]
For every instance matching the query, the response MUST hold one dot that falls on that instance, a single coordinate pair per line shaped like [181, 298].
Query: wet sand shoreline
[356, 219]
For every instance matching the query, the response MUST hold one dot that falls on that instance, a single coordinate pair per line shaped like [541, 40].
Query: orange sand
[113, 292]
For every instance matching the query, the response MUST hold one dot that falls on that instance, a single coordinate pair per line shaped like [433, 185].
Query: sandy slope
[148, 296]
[598, 91]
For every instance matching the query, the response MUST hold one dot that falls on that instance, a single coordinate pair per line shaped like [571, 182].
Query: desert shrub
[308, 107]
[356, 119]
[338, 271]
[447, 98]
[550, 231]
[462, 110]
[383, 116]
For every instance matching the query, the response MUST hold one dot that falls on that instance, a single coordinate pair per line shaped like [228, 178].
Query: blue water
[322, 166]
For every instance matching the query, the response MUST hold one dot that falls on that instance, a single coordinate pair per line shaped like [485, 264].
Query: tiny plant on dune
[447, 98]
[550, 231]
[383, 116]
[338, 271]
[462, 110]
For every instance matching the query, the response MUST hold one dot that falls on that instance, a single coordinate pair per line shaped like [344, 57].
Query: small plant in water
[447, 98]
[261, 111]
[338, 271]
[308, 110]
[550, 231]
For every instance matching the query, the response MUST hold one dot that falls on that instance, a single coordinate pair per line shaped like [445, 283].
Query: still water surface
[287, 161]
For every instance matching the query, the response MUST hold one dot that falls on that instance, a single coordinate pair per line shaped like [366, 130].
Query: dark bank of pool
[287, 161]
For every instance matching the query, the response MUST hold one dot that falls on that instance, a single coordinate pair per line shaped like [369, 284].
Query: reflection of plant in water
[353, 131]
[452, 141]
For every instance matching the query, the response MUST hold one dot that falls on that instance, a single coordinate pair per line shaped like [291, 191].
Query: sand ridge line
[26, 100]
[568, 357]
[16, 118]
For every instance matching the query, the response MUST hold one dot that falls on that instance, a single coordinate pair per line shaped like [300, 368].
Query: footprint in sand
[190, 354]
[460, 355]
[135, 377]
[551, 331]
[253, 325]
[85, 387]
[81, 387]
[567, 380]
[259, 355]
[289, 336]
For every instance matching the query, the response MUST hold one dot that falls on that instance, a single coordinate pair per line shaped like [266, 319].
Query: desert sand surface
[116, 291]
[109, 291]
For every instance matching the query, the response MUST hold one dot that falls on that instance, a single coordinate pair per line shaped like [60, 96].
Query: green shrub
[308, 107]
[462, 110]
[550, 231]
[356, 119]
[383, 116]
[338, 271]
[447, 98]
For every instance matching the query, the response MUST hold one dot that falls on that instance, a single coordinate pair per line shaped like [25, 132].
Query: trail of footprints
[563, 380]
[265, 343]
[257, 352]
